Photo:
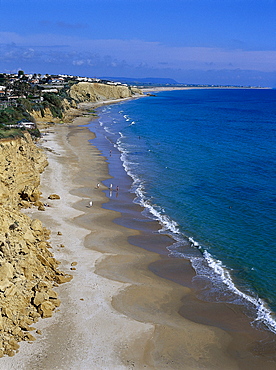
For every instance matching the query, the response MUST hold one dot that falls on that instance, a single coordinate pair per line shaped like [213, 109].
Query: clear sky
[191, 41]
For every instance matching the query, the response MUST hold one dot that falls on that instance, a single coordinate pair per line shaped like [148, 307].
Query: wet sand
[126, 307]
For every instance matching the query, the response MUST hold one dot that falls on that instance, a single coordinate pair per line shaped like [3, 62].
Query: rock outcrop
[95, 92]
[28, 270]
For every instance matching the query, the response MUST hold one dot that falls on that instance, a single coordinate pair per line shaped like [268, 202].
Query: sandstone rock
[14, 345]
[6, 311]
[46, 309]
[24, 325]
[55, 301]
[35, 195]
[52, 294]
[60, 279]
[36, 225]
[40, 297]
[54, 196]
[6, 273]
[10, 352]
[43, 286]
[38, 203]
[29, 236]
[25, 204]
[28, 336]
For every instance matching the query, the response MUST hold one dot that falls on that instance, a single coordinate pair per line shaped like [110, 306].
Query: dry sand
[115, 313]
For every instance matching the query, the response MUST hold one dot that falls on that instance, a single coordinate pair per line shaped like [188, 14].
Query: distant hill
[140, 81]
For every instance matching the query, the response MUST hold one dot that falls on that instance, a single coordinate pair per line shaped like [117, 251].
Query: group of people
[111, 187]
[110, 190]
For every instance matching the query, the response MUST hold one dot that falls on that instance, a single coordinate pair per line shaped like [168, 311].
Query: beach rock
[54, 196]
[46, 309]
[38, 203]
[60, 279]
[24, 204]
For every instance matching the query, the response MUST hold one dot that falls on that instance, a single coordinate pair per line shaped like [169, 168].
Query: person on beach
[110, 187]
[98, 185]
[90, 203]
[117, 189]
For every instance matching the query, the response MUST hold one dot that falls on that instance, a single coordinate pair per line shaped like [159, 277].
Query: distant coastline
[195, 87]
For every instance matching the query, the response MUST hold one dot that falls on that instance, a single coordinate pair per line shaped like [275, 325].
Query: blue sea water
[203, 165]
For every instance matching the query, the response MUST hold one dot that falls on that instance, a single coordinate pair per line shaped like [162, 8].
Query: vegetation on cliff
[34, 97]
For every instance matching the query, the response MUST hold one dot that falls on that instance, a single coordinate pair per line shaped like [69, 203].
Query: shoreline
[229, 317]
[115, 313]
[160, 89]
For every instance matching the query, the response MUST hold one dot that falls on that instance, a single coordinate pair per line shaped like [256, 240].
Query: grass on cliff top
[12, 133]
[16, 132]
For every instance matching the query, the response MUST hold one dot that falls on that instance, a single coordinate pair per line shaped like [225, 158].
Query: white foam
[220, 274]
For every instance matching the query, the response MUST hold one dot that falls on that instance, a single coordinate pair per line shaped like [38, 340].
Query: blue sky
[191, 41]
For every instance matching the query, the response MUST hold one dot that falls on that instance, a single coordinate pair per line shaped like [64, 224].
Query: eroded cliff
[28, 270]
[95, 92]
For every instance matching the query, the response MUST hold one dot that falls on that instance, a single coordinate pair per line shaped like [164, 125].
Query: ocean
[202, 164]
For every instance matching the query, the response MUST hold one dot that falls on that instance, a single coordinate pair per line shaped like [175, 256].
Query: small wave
[121, 135]
[194, 243]
[221, 279]
[108, 130]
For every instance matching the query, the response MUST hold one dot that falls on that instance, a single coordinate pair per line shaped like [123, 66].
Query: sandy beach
[116, 313]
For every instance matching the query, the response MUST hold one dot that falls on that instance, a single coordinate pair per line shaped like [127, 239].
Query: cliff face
[28, 270]
[94, 92]
[69, 112]
[46, 117]
[21, 163]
